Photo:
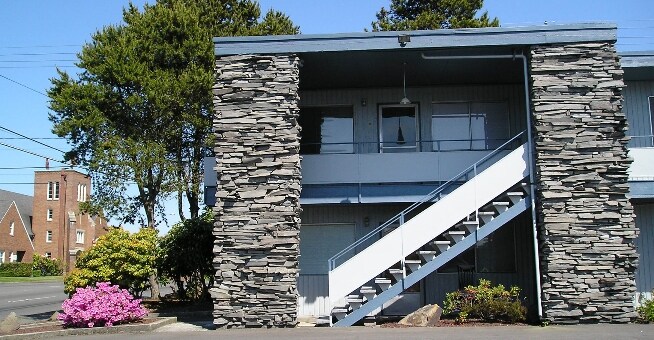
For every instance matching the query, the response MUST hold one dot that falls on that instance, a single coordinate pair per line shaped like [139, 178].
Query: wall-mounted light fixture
[364, 101]
[403, 39]
[366, 221]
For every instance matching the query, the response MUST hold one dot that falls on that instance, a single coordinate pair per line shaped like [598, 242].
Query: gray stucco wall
[586, 226]
[258, 208]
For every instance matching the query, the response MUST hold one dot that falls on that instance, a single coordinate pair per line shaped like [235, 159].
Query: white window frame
[49, 214]
[48, 236]
[79, 236]
[13, 257]
[12, 228]
[380, 132]
[53, 191]
[2, 256]
[48, 255]
[81, 192]
[650, 101]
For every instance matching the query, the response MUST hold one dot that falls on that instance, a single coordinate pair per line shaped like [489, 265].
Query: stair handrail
[430, 196]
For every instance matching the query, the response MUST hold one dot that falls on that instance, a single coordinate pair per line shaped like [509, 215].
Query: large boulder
[9, 324]
[426, 316]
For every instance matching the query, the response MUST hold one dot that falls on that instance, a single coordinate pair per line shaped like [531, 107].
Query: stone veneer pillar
[586, 227]
[258, 209]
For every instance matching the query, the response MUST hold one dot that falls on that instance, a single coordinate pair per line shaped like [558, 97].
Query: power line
[31, 153]
[32, 139]
[41, 138]
[25, 86]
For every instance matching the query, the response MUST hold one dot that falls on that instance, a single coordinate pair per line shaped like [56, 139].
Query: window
[13, 257]
[48, 255]
[80, 236]
[327, 129]
[398, 130]
[12, 226]
[2, 256]
[81, 192]
[53, 190]
[651, 120]
[469, 126]
[48, 236]
[49, 215]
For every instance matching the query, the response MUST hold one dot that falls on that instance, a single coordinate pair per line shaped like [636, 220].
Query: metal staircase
[414, 243]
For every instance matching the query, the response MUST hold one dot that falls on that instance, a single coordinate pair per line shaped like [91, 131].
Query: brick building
[15, 227]
[61, 230]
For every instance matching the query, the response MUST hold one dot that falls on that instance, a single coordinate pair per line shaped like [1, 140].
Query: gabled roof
[443, 38]
[23, 204]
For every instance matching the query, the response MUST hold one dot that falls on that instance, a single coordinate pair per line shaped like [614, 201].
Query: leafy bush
[187, 255]
[119, 257]
[46, 266]
[17, 269]
[102, 305]
[487, 303]
[646, 310]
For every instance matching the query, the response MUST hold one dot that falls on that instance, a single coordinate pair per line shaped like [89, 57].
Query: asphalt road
[580, 332]
[31, 301]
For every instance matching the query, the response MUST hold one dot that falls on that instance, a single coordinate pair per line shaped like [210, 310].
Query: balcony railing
[644, 141]
[440, 145]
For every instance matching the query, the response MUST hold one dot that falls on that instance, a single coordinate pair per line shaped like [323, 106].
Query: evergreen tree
[409, 15]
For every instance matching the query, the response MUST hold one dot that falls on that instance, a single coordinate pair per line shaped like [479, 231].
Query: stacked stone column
[258, 165]
[586, 226]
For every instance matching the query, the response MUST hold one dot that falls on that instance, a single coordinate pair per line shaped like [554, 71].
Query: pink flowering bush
[102, 305]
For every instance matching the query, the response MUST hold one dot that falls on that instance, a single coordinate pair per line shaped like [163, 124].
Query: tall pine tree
[409, 15]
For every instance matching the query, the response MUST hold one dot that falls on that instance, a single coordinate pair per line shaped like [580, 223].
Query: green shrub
[186, 257]
[646, 310]
[119, 257]
[491, 304]
[16, 269]
[46, 266]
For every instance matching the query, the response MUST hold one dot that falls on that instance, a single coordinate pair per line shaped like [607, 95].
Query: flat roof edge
[467, 37]
[635, 59]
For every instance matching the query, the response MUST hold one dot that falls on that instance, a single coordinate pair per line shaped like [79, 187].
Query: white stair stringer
[429, 267]
[430, 223]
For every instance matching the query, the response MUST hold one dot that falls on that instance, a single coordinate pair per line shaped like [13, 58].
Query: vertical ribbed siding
[645, 244]
[637, 109]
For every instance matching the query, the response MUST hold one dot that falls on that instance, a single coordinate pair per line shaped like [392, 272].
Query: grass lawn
[32, 279]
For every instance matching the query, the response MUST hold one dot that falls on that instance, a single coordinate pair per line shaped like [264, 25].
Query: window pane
[450, 132]
[495, 128]
[496, 252]
[327, 130]
[398, 129]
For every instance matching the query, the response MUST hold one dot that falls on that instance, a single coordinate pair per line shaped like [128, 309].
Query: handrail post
[402, 245]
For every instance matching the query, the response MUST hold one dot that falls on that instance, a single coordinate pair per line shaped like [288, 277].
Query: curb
[133, 328]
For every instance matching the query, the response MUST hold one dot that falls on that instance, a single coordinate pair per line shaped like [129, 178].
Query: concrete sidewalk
[196, 331]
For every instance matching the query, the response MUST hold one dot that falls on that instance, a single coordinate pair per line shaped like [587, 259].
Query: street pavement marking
[38, 298]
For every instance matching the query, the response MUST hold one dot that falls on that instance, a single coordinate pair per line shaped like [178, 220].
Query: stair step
[383, 283]
[442, 246]
[515, 196]
[455, 235]
[413, 265]
[486, 216]
[397, 273]
[427, 255]
[468, 226]
[368, 292]
[339, 313]
[354, 301]
[501, 206]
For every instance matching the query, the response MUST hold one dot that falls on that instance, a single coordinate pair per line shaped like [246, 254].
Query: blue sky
[39, 35]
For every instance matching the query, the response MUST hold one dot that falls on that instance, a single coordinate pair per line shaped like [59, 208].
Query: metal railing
[644, 141]
[437, 145]
[433, 196]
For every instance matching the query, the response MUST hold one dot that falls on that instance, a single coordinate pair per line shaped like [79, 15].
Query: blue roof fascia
[637, 59]
[368, 41]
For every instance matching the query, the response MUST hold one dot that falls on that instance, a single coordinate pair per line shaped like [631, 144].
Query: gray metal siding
[366, 117]
[314, 289]
[636, 107]
[645, 245]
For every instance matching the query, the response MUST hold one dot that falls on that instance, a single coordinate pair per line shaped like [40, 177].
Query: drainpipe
[530, 153]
